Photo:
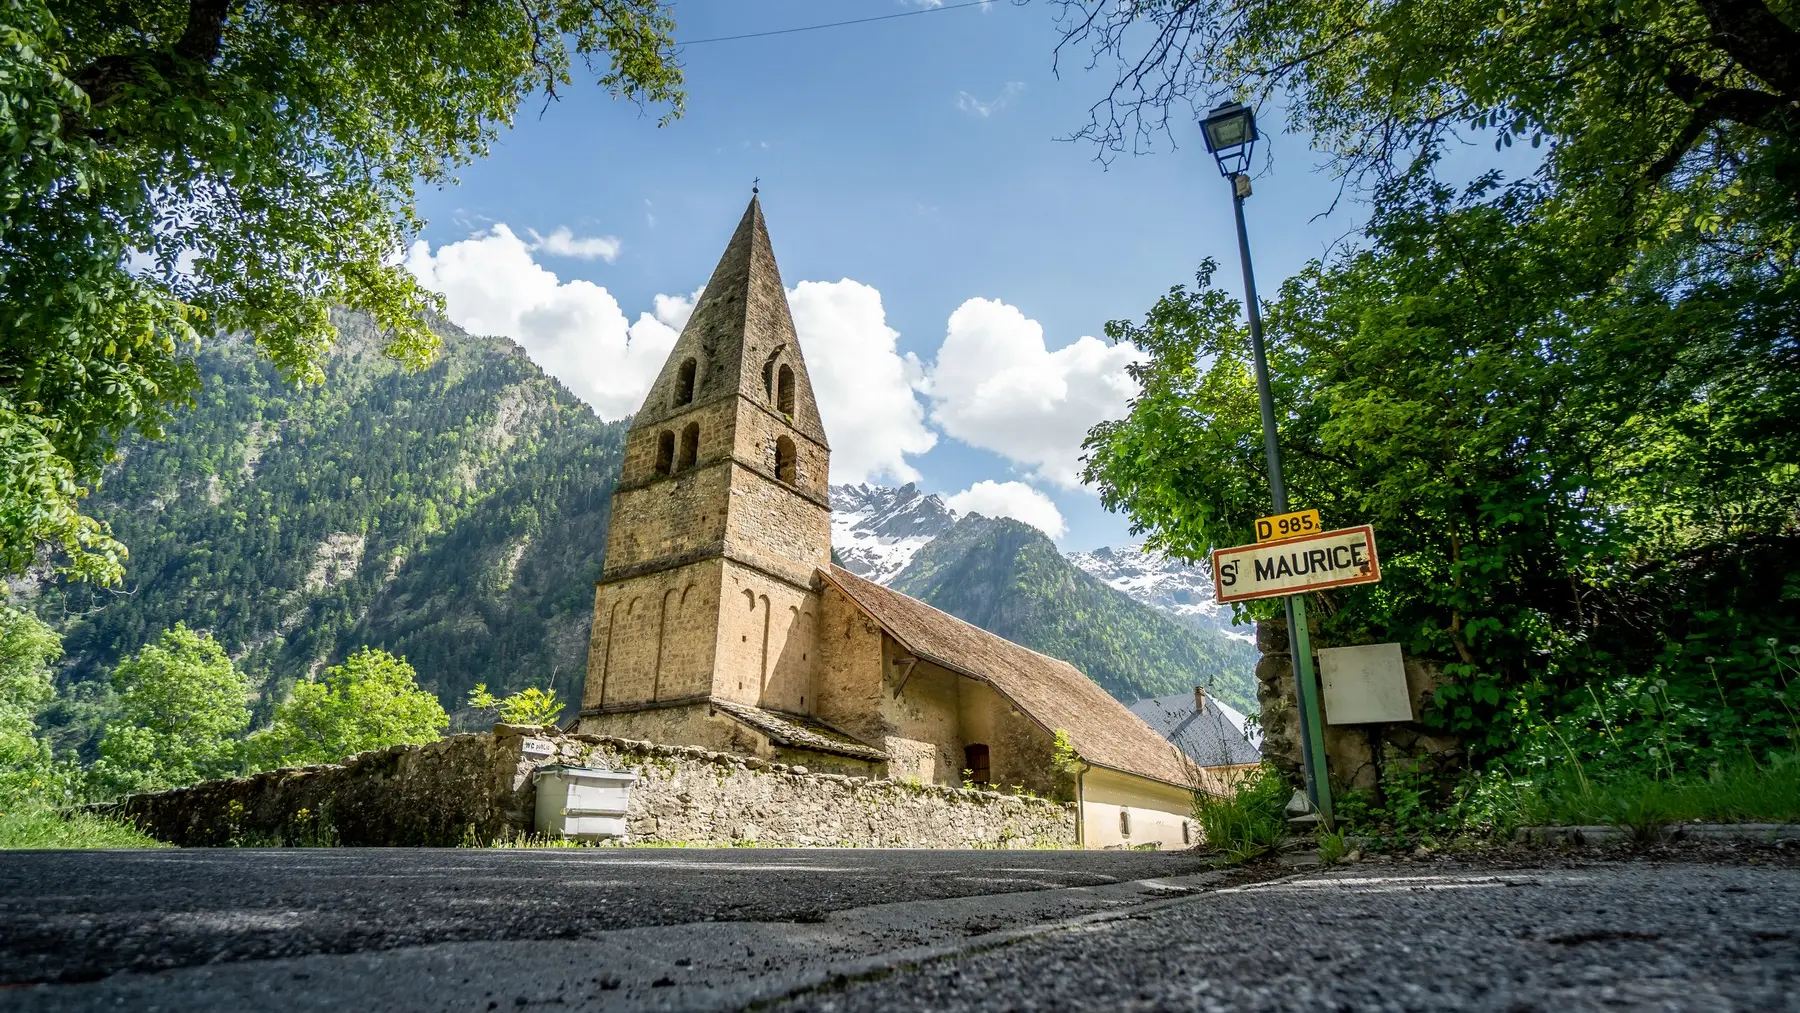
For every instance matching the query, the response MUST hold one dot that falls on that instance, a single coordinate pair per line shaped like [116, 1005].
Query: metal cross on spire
[754, 184]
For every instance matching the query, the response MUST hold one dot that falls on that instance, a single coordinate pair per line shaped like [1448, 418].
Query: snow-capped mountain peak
[875, 529]
[1178, 588]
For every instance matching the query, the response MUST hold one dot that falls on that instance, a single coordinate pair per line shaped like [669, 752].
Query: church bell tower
[720, 521]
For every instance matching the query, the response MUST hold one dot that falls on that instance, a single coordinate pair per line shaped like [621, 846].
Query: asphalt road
[822, 930]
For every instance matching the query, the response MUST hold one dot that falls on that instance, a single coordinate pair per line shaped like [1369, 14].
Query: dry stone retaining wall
[477, 789]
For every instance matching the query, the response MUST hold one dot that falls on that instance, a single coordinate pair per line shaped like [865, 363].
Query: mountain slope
[875, 529]
[1007, 577]
[1181, 589]
[457, 516]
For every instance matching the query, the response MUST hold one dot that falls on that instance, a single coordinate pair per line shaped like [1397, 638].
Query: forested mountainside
[1008, 578]
[456, 516]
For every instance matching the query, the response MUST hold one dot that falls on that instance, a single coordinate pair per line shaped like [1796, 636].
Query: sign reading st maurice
[1293, 565]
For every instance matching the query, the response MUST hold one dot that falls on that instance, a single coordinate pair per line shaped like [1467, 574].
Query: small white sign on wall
[1364, 684]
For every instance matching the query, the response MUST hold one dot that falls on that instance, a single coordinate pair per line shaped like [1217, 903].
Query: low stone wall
[478, 789]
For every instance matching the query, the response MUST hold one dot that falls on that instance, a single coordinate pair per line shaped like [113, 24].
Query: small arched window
[690, 447]
[1124, 822]
[684, 383]
[784, 390]
[665, 452]
[784, 459]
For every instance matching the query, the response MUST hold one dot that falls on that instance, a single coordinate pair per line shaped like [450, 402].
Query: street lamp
[1230, 135]
[1230, 132]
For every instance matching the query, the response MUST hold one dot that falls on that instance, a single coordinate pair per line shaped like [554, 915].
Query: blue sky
[920, 159]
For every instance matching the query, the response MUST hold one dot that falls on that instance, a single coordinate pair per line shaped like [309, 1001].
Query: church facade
[720, 621]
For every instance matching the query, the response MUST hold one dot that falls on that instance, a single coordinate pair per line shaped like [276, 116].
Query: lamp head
[1230, 132]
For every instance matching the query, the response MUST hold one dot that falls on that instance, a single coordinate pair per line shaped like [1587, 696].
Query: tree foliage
[529, 706]
[371, 701]
[1566, 480]
[1567, 402]
[28, 649]
[1616, 92]
[177, 170]
[182, 706]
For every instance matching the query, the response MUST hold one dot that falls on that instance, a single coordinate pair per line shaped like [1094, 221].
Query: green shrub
[1249, 820]
[34, 824]
[529, 706]
[182, 705]
[371, 701]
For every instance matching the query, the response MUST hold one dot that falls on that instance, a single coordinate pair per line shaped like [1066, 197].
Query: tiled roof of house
[1206, 735]
[797, 732]
[1053, 693]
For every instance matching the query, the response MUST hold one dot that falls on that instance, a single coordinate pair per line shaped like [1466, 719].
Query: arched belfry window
[665, 452]
[684, 382]
[784, 390]
[784, 459]
[690, 447]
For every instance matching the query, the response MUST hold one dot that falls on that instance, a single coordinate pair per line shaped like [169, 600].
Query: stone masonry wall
[477, 789]
[1355, 755]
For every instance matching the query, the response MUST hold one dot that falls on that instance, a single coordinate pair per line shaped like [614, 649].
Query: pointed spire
[741, 336]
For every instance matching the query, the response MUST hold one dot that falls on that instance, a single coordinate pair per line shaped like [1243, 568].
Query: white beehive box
[582, 802]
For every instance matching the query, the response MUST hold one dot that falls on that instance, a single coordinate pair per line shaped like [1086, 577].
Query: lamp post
[1230, 132]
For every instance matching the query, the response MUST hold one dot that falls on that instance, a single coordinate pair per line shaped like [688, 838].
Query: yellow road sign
[1300, 522]
[1294, 565]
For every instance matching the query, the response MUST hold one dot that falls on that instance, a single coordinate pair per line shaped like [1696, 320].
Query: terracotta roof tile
[1054, 693]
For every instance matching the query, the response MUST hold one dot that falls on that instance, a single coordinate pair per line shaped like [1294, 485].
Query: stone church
[720, 621]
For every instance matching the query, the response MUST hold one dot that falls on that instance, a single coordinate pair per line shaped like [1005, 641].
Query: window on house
[975, 762]
[665, 452]
[684, 383]
[784, 390]
[1124, 822]
[784, 459]
[690, 447]
[1185, 839]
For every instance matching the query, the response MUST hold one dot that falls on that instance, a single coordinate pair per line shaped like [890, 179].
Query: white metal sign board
[1365, 684]
[1307, 563]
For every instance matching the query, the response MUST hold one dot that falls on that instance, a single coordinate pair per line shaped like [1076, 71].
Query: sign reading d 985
[1300, 522]
[1294, 565]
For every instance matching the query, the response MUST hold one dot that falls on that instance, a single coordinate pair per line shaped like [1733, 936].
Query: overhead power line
[834, 24]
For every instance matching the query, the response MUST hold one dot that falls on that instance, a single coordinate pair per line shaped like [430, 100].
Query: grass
[1739, 793]
[38, 826]
[1247, 822]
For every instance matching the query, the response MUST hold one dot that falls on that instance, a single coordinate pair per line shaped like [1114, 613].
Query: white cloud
[983, 109]
[996, 386]
[563, 243]
[674, 310]
[574, 330]
[577, 333]
[1010, 499]
[863, 385]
